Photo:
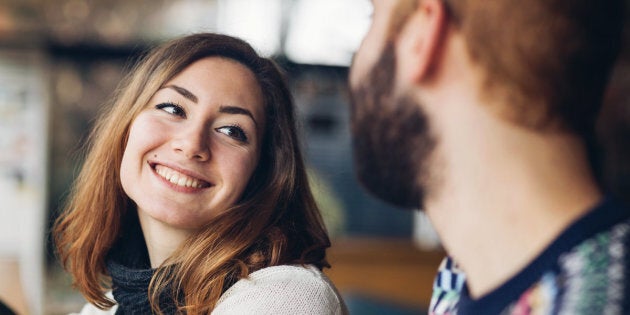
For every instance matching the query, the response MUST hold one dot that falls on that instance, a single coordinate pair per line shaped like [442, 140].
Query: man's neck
[504, 196]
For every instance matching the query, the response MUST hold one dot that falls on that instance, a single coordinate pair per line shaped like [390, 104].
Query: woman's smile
[178, 178]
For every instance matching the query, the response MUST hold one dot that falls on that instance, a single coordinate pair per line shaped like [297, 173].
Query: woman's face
[193, 149]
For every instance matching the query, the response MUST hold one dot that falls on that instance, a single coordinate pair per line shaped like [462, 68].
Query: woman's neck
[162, 240]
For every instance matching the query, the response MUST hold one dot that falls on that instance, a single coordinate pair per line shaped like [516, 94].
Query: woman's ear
[418, 44]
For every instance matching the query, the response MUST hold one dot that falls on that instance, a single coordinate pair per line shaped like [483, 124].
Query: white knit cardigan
[277, 290]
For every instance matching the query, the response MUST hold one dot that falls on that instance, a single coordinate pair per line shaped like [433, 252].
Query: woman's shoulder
[90, 309]
[286, 289]
[300, 273]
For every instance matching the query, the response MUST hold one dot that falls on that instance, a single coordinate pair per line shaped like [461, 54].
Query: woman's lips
[179, 179]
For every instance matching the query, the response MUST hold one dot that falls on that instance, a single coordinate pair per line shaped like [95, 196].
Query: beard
[391, 138]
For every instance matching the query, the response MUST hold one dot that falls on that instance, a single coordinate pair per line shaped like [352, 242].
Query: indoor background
[60, 61]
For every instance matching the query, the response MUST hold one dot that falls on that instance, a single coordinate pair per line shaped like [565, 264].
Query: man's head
[541, 64]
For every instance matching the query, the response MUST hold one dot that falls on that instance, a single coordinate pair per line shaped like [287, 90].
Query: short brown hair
[549, 59]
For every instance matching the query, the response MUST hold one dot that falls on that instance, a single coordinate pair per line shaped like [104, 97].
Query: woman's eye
[172, 109]
[234, 132]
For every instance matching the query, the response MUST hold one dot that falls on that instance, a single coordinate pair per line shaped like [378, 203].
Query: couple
[194, 197]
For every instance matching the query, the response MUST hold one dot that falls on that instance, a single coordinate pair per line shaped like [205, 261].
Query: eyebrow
[226, 109]
[185, 93]
[235, 110]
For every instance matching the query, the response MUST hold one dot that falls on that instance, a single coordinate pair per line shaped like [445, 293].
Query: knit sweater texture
[280, 290]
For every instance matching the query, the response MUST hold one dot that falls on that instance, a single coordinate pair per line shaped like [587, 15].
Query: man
[480, 113]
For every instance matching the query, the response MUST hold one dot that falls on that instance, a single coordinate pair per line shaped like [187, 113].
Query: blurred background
[60, 61]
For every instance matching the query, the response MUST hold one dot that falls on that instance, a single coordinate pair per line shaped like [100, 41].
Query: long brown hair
[275, 222]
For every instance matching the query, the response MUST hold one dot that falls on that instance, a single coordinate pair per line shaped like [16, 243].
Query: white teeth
[177, 178]
[174, 179]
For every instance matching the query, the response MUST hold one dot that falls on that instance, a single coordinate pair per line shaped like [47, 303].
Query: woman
[193, 197]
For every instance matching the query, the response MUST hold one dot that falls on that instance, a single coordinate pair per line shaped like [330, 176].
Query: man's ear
[418, 44]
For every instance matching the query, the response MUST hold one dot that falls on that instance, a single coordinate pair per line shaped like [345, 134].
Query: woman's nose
[193, 142]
